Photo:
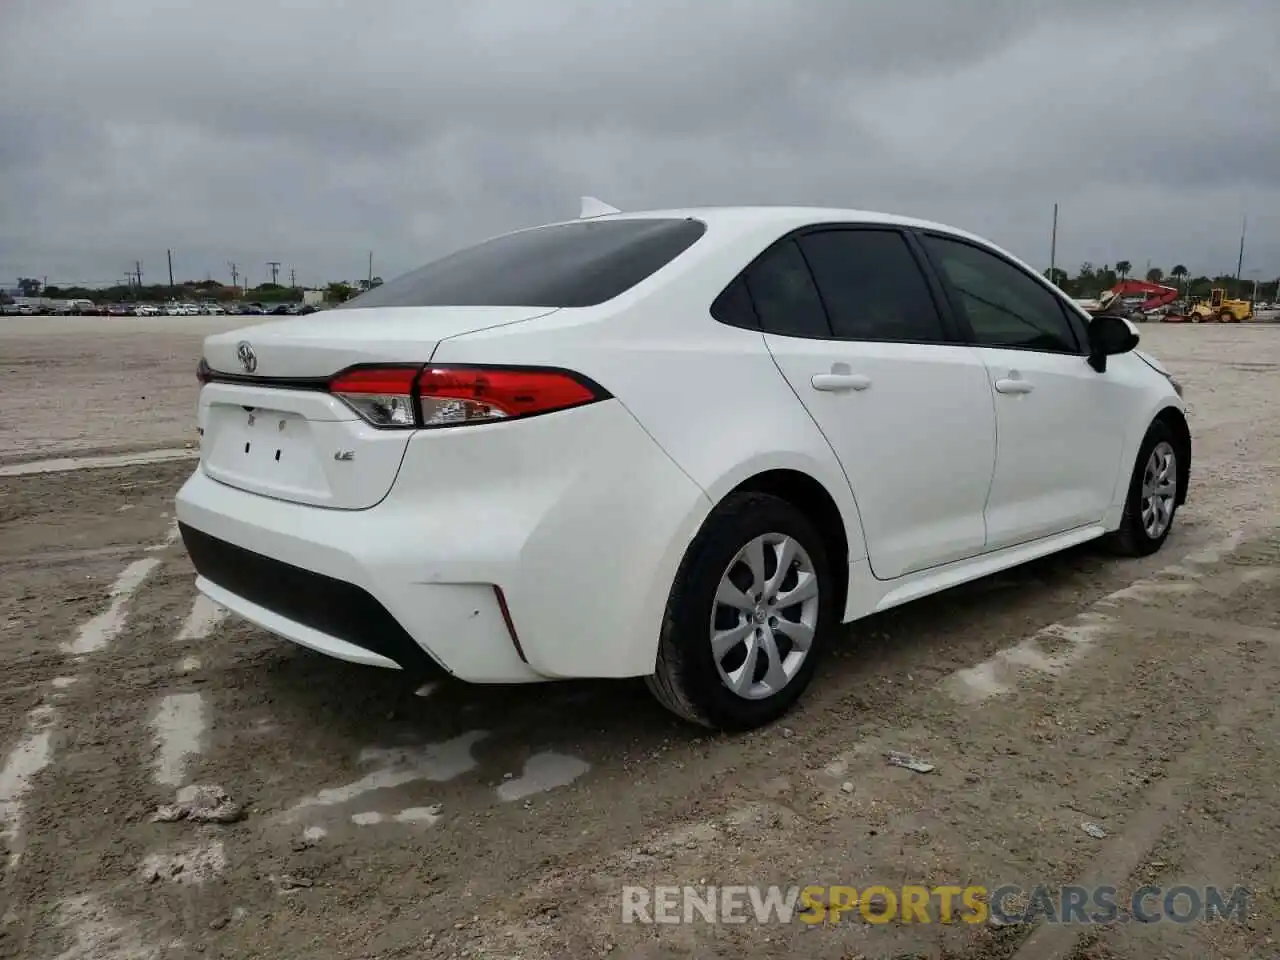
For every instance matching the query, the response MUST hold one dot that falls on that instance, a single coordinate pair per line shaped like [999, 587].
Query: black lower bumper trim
[334, 607]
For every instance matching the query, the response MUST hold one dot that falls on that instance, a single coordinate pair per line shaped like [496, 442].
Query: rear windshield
[567, 265]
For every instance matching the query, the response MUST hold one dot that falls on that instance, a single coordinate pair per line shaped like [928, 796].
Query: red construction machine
[1135, 299]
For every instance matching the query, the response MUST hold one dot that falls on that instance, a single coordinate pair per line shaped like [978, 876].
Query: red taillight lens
[451, 395]
[381, 395]
[204, 373]
[445, 396]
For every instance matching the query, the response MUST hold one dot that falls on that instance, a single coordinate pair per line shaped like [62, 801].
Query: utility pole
[293, 278]
[1244, 222]
[275, 270]
[1053, 245]
[170, 253]
[235, 274]
[137, 267]
[369, 285]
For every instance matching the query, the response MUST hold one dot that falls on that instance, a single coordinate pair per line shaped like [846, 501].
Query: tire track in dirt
[22, 827]
[286, 724]
[1024, 790]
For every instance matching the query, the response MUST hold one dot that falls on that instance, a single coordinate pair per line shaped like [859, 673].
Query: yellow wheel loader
[1219, 309]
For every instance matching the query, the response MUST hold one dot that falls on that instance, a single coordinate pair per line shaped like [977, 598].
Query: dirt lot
[380, 821]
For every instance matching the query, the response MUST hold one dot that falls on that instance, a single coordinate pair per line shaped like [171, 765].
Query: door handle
[837, 382]
[1012, 385]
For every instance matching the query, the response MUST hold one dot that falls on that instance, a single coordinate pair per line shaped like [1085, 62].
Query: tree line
[1090, 281]
[196, 290]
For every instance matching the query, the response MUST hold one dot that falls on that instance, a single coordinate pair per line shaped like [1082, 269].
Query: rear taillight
[204, 373]
[381, 395]
[451, 395]
[446, 395]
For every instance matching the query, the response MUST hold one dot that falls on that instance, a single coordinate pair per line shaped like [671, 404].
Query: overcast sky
[313, 132]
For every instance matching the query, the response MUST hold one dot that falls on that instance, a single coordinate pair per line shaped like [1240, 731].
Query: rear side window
[872, 286]
[1004, 306]
[735, 308]
[567, 265]
[785, 298]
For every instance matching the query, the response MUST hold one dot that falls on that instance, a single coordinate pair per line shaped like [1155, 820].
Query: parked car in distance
[682, 445]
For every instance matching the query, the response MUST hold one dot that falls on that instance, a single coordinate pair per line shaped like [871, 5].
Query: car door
[1059, 423]
[853, 324]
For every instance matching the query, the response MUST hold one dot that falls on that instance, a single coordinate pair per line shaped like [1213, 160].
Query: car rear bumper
[550, 554]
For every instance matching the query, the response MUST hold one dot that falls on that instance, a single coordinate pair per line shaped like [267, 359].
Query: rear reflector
[445, 395]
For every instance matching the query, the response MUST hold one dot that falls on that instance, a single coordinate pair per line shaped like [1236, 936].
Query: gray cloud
[311, 133]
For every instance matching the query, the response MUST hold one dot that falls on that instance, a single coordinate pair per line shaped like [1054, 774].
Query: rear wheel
[747, 618]
[1226, 316]
[1153, 496]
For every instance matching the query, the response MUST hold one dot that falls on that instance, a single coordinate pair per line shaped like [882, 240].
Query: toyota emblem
[248, 359]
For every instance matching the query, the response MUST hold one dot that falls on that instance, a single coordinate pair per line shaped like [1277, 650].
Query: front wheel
[1153, 496]
[747, 618]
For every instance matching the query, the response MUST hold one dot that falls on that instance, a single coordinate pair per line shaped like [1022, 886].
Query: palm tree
[1179, 273]
[1123, 267]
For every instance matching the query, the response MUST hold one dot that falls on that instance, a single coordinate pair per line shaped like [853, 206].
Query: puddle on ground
[1049, 651]
[205, 615]
[98, 632]
[179, 725]
[396, 766]
[543, 772]
[424, 815]
[24, 761]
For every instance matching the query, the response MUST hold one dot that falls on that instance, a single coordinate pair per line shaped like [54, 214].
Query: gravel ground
[380, 821]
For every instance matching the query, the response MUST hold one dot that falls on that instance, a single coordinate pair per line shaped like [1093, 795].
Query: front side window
[1004, 306]
[872, 287]
[580, 264]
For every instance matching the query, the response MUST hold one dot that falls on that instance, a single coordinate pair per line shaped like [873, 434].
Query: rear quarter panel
[710, 395]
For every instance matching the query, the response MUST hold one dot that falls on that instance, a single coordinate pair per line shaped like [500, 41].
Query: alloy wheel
[1159, 489]
[764, 616]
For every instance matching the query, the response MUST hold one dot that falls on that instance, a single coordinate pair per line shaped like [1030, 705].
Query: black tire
[1226, 316]
[1131, 539]
[686, 680]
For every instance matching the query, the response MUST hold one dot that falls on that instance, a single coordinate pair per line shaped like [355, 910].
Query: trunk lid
[277, 432]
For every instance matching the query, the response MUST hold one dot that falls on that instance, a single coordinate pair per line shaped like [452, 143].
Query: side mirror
[1109, 336]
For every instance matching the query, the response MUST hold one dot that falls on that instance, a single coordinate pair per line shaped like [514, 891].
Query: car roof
[783, 218]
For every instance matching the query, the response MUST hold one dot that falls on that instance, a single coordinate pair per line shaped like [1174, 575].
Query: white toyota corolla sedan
[682, 445]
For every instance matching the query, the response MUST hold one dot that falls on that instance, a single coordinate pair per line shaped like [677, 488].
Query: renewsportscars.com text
[1006, 904]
